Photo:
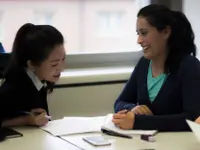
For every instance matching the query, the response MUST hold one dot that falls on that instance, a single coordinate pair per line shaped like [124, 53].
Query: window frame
[44, 13]
[102, 59]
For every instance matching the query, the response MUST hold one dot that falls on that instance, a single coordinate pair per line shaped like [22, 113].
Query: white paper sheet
[74, 125]
[78, 125]
[195, 128]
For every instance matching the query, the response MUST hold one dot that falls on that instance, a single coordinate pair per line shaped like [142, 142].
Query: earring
[34, 77]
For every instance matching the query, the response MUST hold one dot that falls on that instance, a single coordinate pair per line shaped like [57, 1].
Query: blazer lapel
[144, 96]
[166, 88]
[164, 92]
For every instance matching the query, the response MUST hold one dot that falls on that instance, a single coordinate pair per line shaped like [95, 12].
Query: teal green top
[154, 84]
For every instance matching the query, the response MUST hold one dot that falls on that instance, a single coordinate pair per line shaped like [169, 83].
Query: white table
[164, 141]
[35, 139]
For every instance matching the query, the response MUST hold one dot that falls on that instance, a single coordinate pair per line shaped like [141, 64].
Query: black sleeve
[9, 100]
[128, 97]
[190, 86]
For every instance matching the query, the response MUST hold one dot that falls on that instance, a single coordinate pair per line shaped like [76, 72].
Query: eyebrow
[141, 30]
[55, 60]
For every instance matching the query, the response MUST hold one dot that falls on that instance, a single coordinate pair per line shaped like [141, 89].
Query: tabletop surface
[37, 139]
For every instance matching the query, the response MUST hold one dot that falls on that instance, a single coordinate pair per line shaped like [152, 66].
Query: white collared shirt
[36, 81]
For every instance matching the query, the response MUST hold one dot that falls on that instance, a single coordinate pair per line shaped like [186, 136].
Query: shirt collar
[38, 84]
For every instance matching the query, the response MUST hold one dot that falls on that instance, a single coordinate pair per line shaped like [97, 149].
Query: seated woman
[164, 88]
[38, 57]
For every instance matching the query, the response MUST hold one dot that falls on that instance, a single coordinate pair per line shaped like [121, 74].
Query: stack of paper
[74, 125]
[78, 125]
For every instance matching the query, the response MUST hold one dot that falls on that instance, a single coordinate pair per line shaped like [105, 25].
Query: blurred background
[89, 26]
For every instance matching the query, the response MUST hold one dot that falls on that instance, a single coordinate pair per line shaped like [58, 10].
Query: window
[190, 9]
[109, 24]
[96, 31]
[41, 18]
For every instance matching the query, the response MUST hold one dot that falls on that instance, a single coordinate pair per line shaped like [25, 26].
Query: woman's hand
[142, 110]
[38, 117]
[124, 120]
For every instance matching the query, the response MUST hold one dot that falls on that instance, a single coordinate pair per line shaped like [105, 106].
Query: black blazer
[178, 98]
[19, 94]
[4, 61]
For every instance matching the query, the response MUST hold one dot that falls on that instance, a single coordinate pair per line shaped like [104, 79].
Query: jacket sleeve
[9, 96]
[4, 101]
[190, 88]
[128, 98]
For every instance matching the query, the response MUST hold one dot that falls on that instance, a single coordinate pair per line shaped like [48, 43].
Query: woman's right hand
[38, 120]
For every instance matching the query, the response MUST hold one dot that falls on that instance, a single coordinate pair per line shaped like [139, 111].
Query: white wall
[93, 100]
[192, 11]
[83, 101]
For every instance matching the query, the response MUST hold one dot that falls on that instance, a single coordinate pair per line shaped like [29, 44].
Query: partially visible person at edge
[2, 50]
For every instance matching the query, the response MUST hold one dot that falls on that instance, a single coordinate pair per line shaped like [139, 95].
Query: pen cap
[149, 138]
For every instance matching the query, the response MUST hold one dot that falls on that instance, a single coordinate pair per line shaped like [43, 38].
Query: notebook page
[74, 125]
[82, 118]
[110, 126]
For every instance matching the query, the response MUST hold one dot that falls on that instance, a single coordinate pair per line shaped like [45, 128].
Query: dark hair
[34, 43]
[181, 40]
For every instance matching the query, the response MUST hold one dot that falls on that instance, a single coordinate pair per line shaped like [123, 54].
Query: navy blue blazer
[178, 98]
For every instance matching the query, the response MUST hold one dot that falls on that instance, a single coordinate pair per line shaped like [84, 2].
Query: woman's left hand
[124, 120]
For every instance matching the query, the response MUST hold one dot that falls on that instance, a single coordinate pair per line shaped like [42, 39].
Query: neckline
[151, 74]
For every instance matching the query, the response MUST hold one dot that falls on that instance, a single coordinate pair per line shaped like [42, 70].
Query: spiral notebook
[110, 128]
[79, 125]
